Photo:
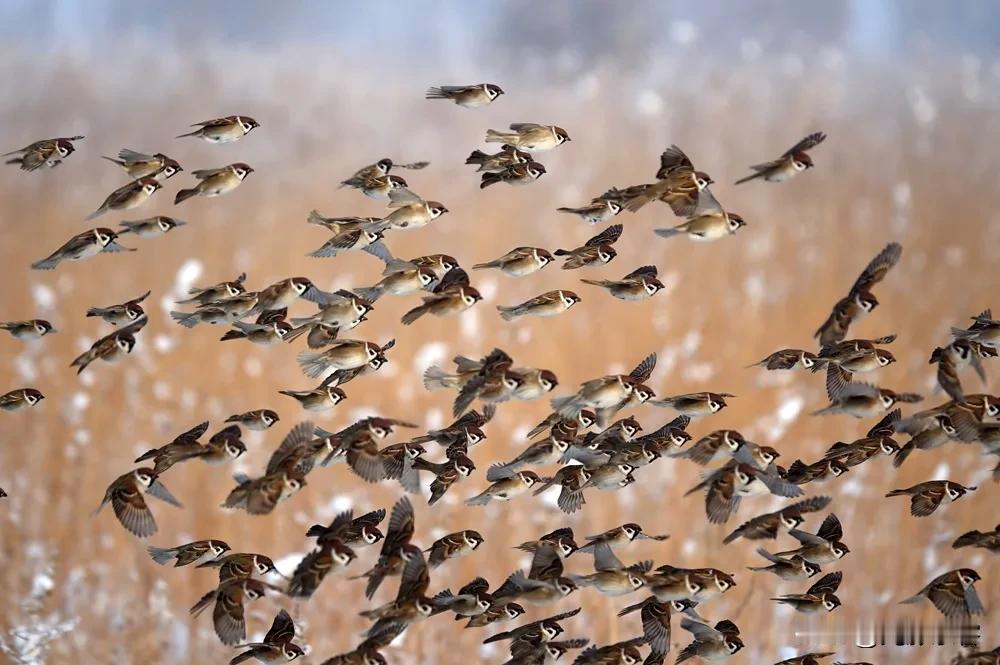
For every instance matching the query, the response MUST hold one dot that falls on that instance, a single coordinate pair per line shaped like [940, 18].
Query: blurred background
[908, 92]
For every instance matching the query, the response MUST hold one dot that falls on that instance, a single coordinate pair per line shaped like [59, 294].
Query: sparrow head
[377, 362]
[252, 591]
[767, 455]
[734, 222]
[342, 554]
[866, 301]
[372, 657]
[955, 490]
[992, 406]
[702, 180]
[625, 469]
[383, 165]
[744, 474]
[293, 482]
[528, 478]
[218, 547]
[565, 586]
[733, 643]
[808, 359]
[291, 651]
[606, 253]
[247, 124]
[884, 357]
[125, 342]
[426, 277]
[64, 147]
[379, 428]
[268, 417]
[631, 656]
[547, 380]
[561, 136]
[105, 236]
[282, 328]
[642, 393]
[235, 448]
[144, 476]
[716, 402]
[395, 182]
[614, 205]
[629, 427]
[447, 262]
[32, 396]
[886, 397]
[551, 629]
[968, 577]
[560, 444]
[733, 440]
[888, 446]
[241, 170]
[413, 450]
[631, 530]
[801, 161]
[543, 256]
[791, 520]
[435, 209]
[723, 581]
[470, 296]
[300, 284]
[586, 418]
[474, 435]
[464, 465]
[234, 289]
[839, 549]
[263, 565]
[42, 327]
[837, 468]
[535, 170]
[830, 602]
[492, 90]
[635, 581]
[810, 569]
[472, 538]
[167, 223]
[651, 285]
[149, 185]
[425, 609]
[170, 168]
[336, 395]
[944, 422]
[133, 311]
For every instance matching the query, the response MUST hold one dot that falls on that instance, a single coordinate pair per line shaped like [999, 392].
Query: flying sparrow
[452, 546]
[529, 136]
[197, 552]
[48, 152]
[126, 312]
[446, 473]
[20, 399]
[516, 174]
[410, 211]
[499, 161]
[322, 398]
[952, 593]
[800, 473]
[111, 347]
[861, 400]
[769, 525]
[128, 196]
[926, 497]
[823, 547]
[706, 226]
[669, 583]
[152, 227]
[369, 651]
[277, 646]
[570, 479]
[596, 251]
[820, 596]
[467, 96]
[639, 284]
[400, 283]
[710, 643]
[547, 304]
[447, 302]
[695, 405]
[207, 294]
[257, 420]
[678, 185]
[215, 182]
[367, 238]
[390, 559]
[31, 329]
[125, 496]
[808, 659]
[341, 354]
[229, 607]
[620, 536]
[83, 246]
[725, 487]
[597, 211]
[259, 496]
[139, 165]
[789, 359]
[223, 130]
[328, 556]
[506, 489]
[519, 262]
[794, 160]
[613, 578]
[655, 618]
[952, 358]
[985, 330]
[988, 540]
[350, 530]
[791, 570]
[381, 168]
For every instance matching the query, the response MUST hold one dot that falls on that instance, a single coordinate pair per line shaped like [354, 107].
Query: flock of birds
[581, 448]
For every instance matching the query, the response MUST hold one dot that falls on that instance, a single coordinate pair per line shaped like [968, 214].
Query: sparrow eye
[723, 584]
[103, 239]
[469, 300]
[807, 362]
[887, 400]
[838, 552]
[546, 385]
[293, 484]
[614, 207]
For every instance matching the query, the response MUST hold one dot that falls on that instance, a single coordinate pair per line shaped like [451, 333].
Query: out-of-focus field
[911, 156]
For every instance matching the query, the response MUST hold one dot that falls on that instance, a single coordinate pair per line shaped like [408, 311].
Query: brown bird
[277, 646]
[223, 130]
[47, 152]
[128, 196]
[927, 496]
[678, 185]
[596, 251]
[952, 593]
[139, 165]
[988, 540]
[125, 496]
[229, 607]
[795, 160]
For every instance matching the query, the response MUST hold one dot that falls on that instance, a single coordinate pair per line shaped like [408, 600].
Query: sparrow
[376, 187]
[570, 479]
[446, 473]
[550, 303]
[715, 446]
[465, 431]
[367, 238]
[257, 420]
[382, 167]
[597, 211]
[453, 546]
[229, 607]
[706, 226]
[241, 566]
[801, 473]
[128, 196]
[609, 476]
[678, 185]
[350, 530]
[215, 182]
[48, 152]
[985, 330]
[770, 525]
[639, 284]
[184, 446]
[125, 496]
[223, 130]
[400, 283]
[710, 643]
[138, 165]
[541, 453]
[28, 330]
[952, 593]
[262, 335]
[791, 570]
[792, 162]
[328, 556]
[20, 399]
[529, 136]
[597, 250]
[341, 310]
[126, 312]
[110, 348]
[818, 598]
[151, 227]
[789, 359]
[608, 392]
[197, 552]
[410, 211]
[515, 174]
[224, 445]
[441, 264]
[472, 599]
[670, 435]
[668, 583]
[519, 262]
[82, 246]
[519, 586]
[620, 653]
[585, 419]
[523, 652]
[823, 547]
[560, 540]
[449, 302]
[620, 536]
[207, 294]
[342, 354]
[878, 441]
[322, 398]
[988, 540]
[277, 646]
[807, 659]
[931, 433]
[695, 405]
[861, 362]
[542, 630]
[467, 96]
[725, 487]
[499, 161]
[369, 651]
[927, 496]
[259, 496]
[390, 559]
[859, 301]
[506, 489]
[496, 613]
[959, 354]
[861, 400]
[613, 578]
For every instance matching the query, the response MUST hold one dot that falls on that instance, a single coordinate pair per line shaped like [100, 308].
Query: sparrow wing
[205, 174]
[133, 513]
[311, 572]
[608, 236]
[972, 602]
[778, 485]
[829, 583]
[806, 538]
[291, 446]
[415, 578]
[522, 127]
[760, 527]
[808, 143]
[703, 450]
[886, 426]
[400, 527]
[949, 597]
[702, 632]
[926, 501]
[133, 156]
[947, 377]
[193, 434]
[655, 618]
[642, 271]
[644, 369]
[876, 270]
[228, 616]
[546, 564]
[454, 278]
[160, 491]
[831, 529]
[364, 460]
[707, 204]
[401, 196]
[672, 159]
[282, 629]
[373, 518]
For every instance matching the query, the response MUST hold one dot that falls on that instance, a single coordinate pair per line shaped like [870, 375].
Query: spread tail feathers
[185, 194]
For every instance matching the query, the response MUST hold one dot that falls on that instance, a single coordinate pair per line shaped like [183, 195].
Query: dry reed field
[911, 157]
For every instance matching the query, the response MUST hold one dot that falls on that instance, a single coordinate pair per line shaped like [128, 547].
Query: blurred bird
[83, 246]
[519, 262]
[987, 540]
[126, 312]
[276, 647]
[613, 578]
[229, 602]
[770, 525]
[710, 643]
[725, 487]
[350, 530]
[789, 359]
[260, 496]
[128, 196]
[695, 405]
[139, 165]
[806, 659]
[499, 161]
[794, 569]
[321, 398]
[597, 211]
[223, 130]
[449, 299]
[341, 354]
[639, 284]
[820, 596]
[197, 552]
[391, 560]
[823, 547]
[207, 294]
[410, 211]
[20, 399]
[125, 496]
[400, 283]
[329, 556]
[29, 330]
[985, 330]
[453, 545]
[262, 335]
[620, 536]
[859, 301]
[446, 473]
[529, 136]
[928, 496]
[515, 174]
[467, 96]
[952, 593]
[215, 182]
[381, 168]
[257, 420]
[678, 184]
[152, 227]
[47, 152]
[861, 400]
[794, 160]
[506, 489]
[542, 630]
[597, 250]
[110, 348]
[550, 303]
